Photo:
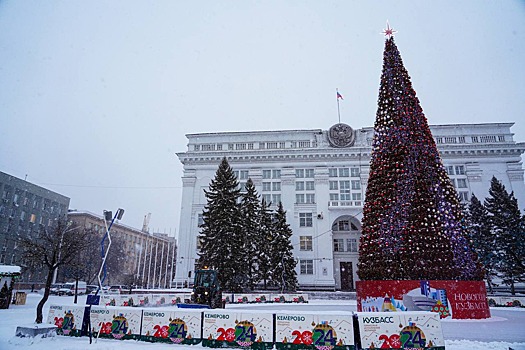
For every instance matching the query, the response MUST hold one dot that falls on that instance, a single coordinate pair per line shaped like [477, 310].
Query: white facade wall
[325, 245]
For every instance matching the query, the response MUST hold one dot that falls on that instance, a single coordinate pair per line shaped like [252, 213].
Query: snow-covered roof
[9, 270]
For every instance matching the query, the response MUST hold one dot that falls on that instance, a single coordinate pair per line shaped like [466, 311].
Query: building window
[450, 140]
[267, 174]
[271, 145]
[462, 183]
[196, 147]
[261, 145]
[299, 186]
[306, 267]
[501, 138]
[276, 186]
[219, 147]
[351, 245]
[356, 196]
[344, 190]
[33, 218]
[439, 140]
[240, 146]
[305, 220]
[276, 198]
[267, 198]
[344, 172]
[334, 197]
[310, 198]
[299, 173]
[208, 147]
[354, 172]
[309, 173]
[356, 184]
[339, 245]
[462, 139]
[305, 243]
[282, 144]
[332, 172]
[460, 170]
[450, 169]
[276, 174]
[333, 185]
[230, 147]
[463, 196]
[299, 198]
[474, 139]
[241, 174]
[310, 185]
[250, 145]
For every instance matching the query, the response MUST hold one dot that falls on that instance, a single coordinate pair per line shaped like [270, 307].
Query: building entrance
[347, 276]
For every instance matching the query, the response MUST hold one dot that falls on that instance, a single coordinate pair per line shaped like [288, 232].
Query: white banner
[233, 329]
[116, 322]
[400, 330]
[171, 326]
[297, 330]
[68, 319]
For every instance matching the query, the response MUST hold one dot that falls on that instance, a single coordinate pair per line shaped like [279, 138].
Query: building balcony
[344, 204]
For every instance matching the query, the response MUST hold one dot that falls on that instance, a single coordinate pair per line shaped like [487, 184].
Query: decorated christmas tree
[412, 219]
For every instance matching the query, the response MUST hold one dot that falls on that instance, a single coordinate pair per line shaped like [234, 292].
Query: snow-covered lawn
[504, 330]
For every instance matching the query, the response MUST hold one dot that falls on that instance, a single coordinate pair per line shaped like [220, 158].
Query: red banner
[455, 299]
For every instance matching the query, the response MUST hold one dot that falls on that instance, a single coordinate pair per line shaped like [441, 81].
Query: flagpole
[337, 98]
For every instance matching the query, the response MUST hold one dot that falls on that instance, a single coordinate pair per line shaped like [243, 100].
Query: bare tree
[52, 247]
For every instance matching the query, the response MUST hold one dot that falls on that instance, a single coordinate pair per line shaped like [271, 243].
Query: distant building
[144, 259]
[320, 176]
[24, 207]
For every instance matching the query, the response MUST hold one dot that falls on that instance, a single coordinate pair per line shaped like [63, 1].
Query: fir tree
[412, 219]
[250, 209]
[265, 242]
[481, 237]
[221, 236]
[282, 258]
[508, 228]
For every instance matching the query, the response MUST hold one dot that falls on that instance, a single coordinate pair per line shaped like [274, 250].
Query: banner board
[171, 326]
[453, 299]
[400, 330]
[68, 319]
[116, 322]
[321, 331]
[237, 329]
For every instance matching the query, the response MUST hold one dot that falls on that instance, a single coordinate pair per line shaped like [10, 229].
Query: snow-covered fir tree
[509, 233]
[482, 238]
[412, 221]
[250, 209]
[264, 242]
[221, 235]
[284, 277]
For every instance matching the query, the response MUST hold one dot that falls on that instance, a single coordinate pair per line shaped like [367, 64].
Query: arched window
[346, 224]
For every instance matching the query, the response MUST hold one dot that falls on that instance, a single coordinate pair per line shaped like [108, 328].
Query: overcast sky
[96, 96]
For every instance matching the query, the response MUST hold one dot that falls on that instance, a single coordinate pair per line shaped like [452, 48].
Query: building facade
[24, 208]
[320, 176]
[136, 257]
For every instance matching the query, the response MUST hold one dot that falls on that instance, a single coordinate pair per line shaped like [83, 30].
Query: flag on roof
[339, 96]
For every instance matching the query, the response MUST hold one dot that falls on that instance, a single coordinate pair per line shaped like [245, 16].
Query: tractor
[206, 289]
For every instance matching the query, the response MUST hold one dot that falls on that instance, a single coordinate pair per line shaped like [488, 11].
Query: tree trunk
[47, 288]
[76, 290]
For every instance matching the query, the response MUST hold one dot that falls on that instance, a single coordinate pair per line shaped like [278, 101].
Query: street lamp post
[104, 252]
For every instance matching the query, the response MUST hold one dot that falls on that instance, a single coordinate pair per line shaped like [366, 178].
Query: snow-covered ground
[503, 331]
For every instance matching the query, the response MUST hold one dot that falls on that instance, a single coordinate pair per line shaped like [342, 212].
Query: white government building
[320, 176]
